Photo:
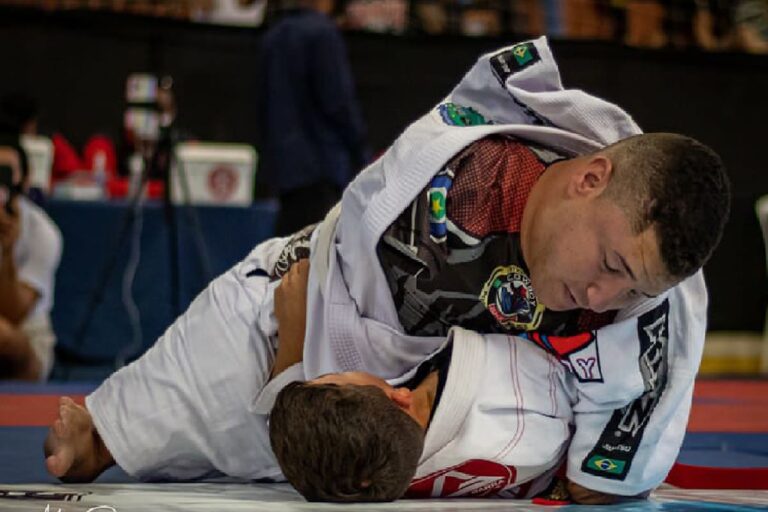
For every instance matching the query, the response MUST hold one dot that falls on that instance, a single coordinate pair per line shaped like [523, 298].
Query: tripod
[131, 223]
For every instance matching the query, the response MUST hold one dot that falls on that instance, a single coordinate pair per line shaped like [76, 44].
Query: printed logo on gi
[606, 465]
[471, 479]
[457, 115]
[222, 182]
[622, 436]
[517, 58]
[578, 353]
[437, 196]
[522, 53]
[509, 297]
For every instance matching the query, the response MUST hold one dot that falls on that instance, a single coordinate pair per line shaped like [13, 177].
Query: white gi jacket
[628, 430]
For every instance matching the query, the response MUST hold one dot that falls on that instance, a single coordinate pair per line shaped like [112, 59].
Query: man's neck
[537, 196]
[424, 399]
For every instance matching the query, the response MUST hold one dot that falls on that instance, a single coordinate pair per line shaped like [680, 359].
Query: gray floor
[213, 497]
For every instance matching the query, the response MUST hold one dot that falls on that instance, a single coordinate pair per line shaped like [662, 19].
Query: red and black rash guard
[454, 256]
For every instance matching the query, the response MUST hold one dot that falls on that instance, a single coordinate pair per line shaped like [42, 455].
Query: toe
[60, 429]
[53, 466]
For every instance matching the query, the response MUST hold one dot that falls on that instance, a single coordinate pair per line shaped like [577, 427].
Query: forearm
[289, 351]
[14, 303]
[17, 358]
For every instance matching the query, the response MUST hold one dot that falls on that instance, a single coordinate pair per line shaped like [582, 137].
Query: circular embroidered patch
[509, 297]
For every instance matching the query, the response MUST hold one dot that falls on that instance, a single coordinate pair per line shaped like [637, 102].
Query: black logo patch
[517, 58]
[297, 248]
[612, 456]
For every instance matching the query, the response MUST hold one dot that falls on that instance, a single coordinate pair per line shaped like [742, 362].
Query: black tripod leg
[173, 248]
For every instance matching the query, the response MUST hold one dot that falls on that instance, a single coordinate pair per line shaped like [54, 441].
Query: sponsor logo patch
[622, 435]
[509, 297]
[579, 353]
[457, 115]
[471, 479]
[297, 248]
[517, 58]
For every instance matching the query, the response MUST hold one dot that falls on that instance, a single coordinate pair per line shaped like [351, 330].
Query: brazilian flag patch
[512, 60]
[606, 465]
[437, 196]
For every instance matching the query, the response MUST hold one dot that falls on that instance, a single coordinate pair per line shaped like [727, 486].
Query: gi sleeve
[628, 448]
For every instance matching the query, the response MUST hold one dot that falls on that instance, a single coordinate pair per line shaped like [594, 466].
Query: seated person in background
[30, 249]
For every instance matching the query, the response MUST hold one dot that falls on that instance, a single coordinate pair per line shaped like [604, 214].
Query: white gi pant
[183, 410]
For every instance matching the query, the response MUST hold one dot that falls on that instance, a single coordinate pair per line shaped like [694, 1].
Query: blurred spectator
[480, 18]
[678, 22]
[429, 16]
[713, 26]
[529, 18]
[246, 13]
[376, 15]
[30, 248]
[587, 19]
[312, 128]
[645, 24]
[751, 20]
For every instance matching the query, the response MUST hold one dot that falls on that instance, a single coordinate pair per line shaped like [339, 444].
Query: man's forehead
[654, 276]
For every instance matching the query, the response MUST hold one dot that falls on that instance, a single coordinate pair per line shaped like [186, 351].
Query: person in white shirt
[30, 249]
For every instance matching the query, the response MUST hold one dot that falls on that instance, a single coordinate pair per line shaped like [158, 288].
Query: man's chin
[556, 303]
[558, 308]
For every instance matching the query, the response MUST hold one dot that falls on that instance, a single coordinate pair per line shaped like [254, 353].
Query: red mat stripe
[31, 410]
[704, 477]
[730, 406]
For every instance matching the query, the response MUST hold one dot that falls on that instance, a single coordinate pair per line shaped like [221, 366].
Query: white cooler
[213, 174]
[39, 151]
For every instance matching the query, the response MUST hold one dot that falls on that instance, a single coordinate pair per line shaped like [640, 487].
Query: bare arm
[291, 314]
[16, 297]
[17, 359]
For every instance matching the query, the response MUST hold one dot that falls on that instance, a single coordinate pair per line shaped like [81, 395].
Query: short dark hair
[344, 443]
[677, 185]
[13, 142]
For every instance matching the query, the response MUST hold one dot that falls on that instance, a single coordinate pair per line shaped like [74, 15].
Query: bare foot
[73, 449]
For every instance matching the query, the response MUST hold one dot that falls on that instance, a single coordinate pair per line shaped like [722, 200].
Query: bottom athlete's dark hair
[677, 185]
[344, 443]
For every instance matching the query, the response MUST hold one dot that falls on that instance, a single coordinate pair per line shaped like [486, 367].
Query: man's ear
[403, 397]
[593, 176]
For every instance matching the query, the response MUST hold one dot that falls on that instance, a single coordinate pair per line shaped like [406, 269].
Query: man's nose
[605, 294]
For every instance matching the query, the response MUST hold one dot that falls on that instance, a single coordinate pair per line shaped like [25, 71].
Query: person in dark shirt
[311, 126]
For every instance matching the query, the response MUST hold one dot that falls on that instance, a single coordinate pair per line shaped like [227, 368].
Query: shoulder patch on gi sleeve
[619, 442]
[517, 58]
